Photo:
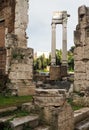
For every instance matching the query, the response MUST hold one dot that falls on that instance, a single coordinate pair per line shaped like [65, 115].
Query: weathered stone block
[80, 76]
[26, 90]
[81, 114]
[10, 109]
[42, 128]
[18, 123]
[66, 125]
[86, 52]
[53, 109]
[80, 67]
[49, 97]
[21, 68]
[78, 53]
[77, 38]
[81, 85]
[21, 22]
[28, 106]
[81, 52]
[63, 71]
[20, 75]
[57, 74]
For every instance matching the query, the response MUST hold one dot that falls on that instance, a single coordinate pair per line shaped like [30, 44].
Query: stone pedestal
[63, 71]
[55, 72]
[53, 108]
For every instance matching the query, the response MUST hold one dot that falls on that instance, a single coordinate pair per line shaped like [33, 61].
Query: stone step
[80, 115]
[18, 123]
[7, 111]
[5, 119]
[42, 128]
[83, 125]
[27, 106]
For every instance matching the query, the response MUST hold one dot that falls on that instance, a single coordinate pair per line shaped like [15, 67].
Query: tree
[58, 56]
[42, 62]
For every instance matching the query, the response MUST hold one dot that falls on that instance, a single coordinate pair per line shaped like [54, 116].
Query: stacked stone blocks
[18, 59]
[81, 52]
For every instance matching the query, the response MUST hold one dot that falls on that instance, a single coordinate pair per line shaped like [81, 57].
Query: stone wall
[21, 20]
[81, 52]
[21, 71]
[19, 67]
[7, 14]
[18, 64]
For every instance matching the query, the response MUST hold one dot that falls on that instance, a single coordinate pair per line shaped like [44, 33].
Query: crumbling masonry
[16, 60]
[81, 53]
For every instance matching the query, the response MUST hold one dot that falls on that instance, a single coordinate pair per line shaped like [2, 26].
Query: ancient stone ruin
[81, 53]
[59, 17]
[16, 60]
[49, 109]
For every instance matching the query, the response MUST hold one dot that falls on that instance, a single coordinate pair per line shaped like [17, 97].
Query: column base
[55, 72]
[63, 71]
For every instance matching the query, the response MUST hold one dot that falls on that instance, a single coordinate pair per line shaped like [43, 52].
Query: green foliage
[3, 81]
[15, 114]
[58, 57]
[41, 62]
[5, 126]
[13, 101]
[17, 55]
[71, 58]
[74, 107]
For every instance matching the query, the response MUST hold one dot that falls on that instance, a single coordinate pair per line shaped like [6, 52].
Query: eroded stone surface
[53, 109]
[17, 59]
[42, 128]
[8, 109]
[81, 52]
[31, 120]
[81, 114]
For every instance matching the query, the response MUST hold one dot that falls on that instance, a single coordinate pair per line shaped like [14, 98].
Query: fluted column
[53, 47]
[64, 43]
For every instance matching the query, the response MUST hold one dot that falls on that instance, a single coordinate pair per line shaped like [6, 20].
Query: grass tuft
[13, 100]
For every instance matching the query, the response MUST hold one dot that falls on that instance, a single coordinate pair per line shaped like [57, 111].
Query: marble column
[53, 47]
[64, 43]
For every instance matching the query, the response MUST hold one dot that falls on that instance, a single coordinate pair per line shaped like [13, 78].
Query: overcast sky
[40, 18]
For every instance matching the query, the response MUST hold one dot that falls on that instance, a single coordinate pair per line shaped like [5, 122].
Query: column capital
[53, 25]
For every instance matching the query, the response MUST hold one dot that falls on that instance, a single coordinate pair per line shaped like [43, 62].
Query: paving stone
[8, 109]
